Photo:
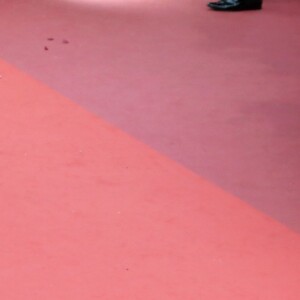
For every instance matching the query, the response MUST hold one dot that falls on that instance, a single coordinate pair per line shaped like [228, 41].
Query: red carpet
[204, 106]
[89, 213]
[218, 93]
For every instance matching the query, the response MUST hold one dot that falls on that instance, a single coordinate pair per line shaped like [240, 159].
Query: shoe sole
[240, 8]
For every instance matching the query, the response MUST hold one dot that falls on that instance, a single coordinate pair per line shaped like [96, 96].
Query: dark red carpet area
[216, 92]
[149, 150]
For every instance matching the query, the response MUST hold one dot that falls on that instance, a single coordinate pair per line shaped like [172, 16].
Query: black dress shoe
[236, 5]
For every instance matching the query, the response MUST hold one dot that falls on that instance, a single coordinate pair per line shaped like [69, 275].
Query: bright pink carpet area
[89, 213]
[217, 92]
